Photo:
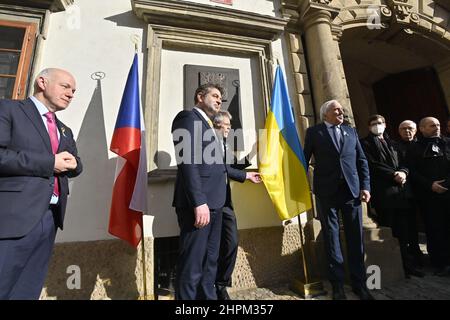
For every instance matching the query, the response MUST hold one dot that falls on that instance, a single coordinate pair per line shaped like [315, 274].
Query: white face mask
[378, 129]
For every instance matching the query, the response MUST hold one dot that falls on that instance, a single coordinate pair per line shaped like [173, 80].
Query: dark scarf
[433, 147]
[386, 150]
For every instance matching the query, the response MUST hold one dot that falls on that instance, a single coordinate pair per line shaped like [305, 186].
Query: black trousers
[436, 212]
[198, 254]
[398, 220]
[228, 248]
[413, 233]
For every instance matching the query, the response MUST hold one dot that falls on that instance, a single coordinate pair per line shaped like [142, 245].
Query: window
[16, 47]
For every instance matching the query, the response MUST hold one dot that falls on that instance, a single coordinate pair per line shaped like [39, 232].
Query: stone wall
[111, 269]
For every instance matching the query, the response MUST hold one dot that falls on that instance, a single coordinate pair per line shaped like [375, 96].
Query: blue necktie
[335, 138]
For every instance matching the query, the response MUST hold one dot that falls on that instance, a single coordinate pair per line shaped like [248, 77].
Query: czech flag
[129, 197]
[282, 163]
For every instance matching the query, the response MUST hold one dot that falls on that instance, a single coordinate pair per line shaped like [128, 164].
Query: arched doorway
[392, 72]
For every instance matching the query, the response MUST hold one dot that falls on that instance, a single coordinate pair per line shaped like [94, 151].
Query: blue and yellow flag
[282, 164]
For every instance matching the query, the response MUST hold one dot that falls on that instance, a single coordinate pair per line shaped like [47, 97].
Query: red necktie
[51, 125]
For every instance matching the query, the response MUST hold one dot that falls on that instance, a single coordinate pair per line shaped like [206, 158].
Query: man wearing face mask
[391, 196]
[429, 162]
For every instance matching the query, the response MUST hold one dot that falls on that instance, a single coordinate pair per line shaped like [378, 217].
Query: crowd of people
[398, 179]
[410, 176]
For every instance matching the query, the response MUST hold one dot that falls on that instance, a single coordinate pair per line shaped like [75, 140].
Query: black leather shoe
[442, 272]
[339, 293]
[409, 271]
[222, 293]
[363, 293]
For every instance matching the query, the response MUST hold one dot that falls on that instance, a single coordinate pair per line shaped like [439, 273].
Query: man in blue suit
[200, 193]
[341, 182]
[37, 156]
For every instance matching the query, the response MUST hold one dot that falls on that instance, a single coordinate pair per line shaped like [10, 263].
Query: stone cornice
[52, 5]
[290, 9]
[317, 11]
[183, 14]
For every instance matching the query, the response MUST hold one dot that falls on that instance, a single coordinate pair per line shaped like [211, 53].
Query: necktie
[51, 125]
[389, 158]
[336, 139]
[210, 123]
[384, 145]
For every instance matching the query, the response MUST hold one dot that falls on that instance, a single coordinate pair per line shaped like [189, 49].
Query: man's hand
[254, 177]
[64, 161]
[201, 216]
[364, 196]
[436, 187]
[400, 177]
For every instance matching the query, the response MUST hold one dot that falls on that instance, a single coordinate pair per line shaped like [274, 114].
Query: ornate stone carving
[322, 1]
[402, 11]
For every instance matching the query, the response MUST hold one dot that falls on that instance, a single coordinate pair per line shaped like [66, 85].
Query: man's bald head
[54, 88]
[50, 73]
[430, 127]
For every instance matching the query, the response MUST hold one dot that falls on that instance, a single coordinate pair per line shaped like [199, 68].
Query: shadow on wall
[87, 219]
[90, 193]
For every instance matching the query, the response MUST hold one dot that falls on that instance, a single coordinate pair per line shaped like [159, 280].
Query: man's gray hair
[325, 107]
[406, 122]
[218, 118]
[44, 74]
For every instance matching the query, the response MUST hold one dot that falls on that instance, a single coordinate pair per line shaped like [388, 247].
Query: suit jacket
[26, 168]
[383, 163]
[199, 180]
[234, 170]
[331, 166]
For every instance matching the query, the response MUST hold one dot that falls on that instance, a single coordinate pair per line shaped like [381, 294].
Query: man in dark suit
[341, 182]
[37, 156]
[407, 130]
[229, 236]
[199, 195]
[429, 162]
[390, 185]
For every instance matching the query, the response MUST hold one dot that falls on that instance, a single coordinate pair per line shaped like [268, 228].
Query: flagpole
[144, 267]
[302, 246]
[135, 39]
[306, 289]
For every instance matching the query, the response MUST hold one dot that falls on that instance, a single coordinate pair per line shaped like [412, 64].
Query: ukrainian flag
[282, 163]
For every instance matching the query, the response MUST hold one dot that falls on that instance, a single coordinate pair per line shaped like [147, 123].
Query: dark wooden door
[410, 95]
